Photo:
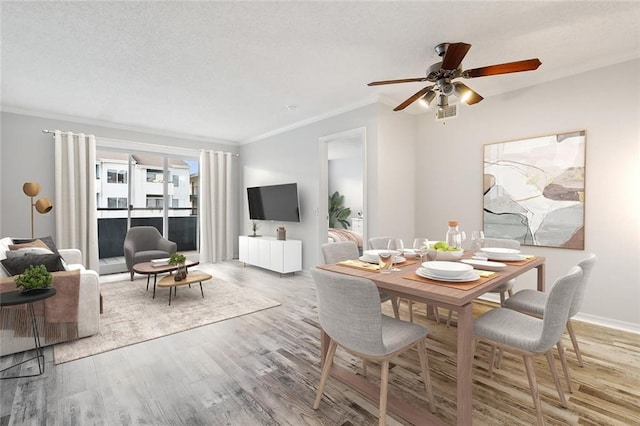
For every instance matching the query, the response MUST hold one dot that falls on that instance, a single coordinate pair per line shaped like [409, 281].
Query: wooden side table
[192, 277]
[12, 298]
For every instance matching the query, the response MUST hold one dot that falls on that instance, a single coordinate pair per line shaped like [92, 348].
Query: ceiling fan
[443, 73]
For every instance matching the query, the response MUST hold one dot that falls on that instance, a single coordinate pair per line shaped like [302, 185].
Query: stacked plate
[371, 256]
[499, 253]
[448, 271]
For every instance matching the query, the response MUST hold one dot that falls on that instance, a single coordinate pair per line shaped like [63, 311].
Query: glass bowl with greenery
[34, 279]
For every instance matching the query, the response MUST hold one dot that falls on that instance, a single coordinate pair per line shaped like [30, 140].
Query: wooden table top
[192, 277]
[148, 269]
[395, 282]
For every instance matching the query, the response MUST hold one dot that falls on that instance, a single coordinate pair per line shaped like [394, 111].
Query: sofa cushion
[46, 240]
[17, 265]
[4, 247]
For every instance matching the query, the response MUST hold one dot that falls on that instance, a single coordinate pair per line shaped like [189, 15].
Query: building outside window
[116, 202]
[116, 176]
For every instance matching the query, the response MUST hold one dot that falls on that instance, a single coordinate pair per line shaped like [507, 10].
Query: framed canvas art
[534, 190]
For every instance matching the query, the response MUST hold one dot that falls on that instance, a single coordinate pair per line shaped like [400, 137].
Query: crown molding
[112, 125]
[306, 122]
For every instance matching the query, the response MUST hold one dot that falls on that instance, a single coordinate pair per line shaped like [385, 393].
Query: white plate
[505, 257]
[485, 264]
[499, 251]
[396, 259]
[374, 253]
[471, 276]
[447, 269]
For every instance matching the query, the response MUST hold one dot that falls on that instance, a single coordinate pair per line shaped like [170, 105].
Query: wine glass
[477, 240]
[420, 247]
[397, 245]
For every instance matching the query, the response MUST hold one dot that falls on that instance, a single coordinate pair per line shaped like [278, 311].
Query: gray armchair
[144, 243]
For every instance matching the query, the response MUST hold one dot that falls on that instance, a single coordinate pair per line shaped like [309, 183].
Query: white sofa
[88, 307]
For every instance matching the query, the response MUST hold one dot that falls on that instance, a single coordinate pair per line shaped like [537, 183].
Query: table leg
[148, 278]
[465, 365]
[39, 352]
[155, 277]
[201, 291]
[541, 274]
[170, 295]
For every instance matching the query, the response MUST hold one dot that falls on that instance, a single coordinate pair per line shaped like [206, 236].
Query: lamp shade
[31, 189]
[43, 205]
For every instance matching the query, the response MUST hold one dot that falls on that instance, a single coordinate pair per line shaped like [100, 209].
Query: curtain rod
[218, 152]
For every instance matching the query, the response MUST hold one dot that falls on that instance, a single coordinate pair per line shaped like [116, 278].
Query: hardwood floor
[263, 369]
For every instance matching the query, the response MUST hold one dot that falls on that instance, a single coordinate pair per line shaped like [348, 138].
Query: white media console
[284, 256]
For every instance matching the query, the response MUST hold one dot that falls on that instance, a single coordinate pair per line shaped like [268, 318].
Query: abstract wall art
[534, 190]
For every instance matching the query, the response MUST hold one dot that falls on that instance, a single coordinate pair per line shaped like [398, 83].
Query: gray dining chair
[349, 313]
[533, 302]
[527, 335]
[378, 243]
[348, 250]
[506, 287]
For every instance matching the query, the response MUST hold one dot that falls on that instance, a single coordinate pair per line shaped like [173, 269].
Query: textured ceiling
[227, 71]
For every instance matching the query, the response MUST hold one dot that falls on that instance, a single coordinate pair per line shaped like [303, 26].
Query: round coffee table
[148, 269]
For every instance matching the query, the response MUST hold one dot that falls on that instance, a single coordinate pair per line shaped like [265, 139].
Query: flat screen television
[274, 202]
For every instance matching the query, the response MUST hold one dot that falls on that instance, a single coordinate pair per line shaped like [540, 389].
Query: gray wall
[451, 184]
[26, 155]
[294, 156]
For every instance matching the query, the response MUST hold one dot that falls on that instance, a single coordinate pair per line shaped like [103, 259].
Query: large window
[156, 191]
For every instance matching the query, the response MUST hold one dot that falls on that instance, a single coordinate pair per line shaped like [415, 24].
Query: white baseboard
[588, 318]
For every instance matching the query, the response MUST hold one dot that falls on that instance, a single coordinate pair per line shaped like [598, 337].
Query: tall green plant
[338, 214]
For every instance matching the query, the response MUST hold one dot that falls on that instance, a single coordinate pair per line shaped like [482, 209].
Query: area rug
[132, 316]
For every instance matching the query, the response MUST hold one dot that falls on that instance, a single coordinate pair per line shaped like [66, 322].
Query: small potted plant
[179, 260]
[35, 279]
[254, 227]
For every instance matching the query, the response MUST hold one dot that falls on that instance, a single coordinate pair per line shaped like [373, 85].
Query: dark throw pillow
[17, 265]
[48, 240]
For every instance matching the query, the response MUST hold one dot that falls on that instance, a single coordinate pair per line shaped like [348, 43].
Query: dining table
[458, 297]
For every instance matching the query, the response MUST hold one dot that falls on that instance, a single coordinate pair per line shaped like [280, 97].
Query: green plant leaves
[338, 214]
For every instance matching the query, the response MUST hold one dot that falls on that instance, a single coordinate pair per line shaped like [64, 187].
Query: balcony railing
[183, 230]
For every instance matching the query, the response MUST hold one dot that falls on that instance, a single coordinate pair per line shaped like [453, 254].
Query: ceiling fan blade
[468, 95]
[454, 55]
[405, 80]
[413, 98]
[509, 67]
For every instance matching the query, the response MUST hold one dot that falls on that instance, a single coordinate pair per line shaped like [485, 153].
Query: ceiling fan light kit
[443, 73]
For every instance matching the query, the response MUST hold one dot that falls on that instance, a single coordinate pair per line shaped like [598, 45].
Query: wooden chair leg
[131, 275]
[510, 291]
[563, 361]
[574, 341]
[396, 310]
[364, 367]
[556, 379]
[328, 361]
[502, 298]
[410, 310]
[384, 384]
[435, 313]
[449, 318]
[531, 375]
[426, 375]
[499, 359]
[492, 357]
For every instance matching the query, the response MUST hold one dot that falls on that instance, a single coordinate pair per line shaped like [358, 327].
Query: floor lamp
[43, 205]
